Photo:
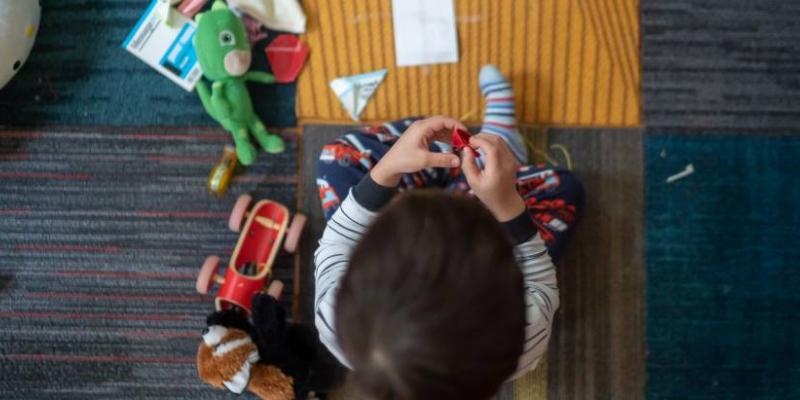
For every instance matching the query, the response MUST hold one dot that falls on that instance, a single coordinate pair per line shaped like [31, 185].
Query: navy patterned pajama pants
[554, 196]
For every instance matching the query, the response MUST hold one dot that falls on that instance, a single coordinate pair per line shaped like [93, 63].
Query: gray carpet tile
[721, 64]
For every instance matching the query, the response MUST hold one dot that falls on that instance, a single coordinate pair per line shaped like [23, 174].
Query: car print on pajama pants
[554, 196]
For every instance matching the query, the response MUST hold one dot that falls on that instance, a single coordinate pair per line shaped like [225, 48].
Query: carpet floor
[103, 225]
[722, 247]
[102, 233]
[721, 64]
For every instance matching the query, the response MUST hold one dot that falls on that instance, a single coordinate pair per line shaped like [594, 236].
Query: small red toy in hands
[460, 140]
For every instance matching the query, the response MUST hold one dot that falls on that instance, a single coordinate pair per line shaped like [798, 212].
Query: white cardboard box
[168, 50]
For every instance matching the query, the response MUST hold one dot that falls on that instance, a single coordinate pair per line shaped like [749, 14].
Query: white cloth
[278, 15]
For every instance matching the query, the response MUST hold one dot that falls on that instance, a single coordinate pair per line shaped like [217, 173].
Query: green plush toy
[223, 52]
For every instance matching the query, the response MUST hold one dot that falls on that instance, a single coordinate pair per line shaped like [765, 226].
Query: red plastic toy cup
[286, 55]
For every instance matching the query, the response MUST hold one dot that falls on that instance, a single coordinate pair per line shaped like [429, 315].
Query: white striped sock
[500, 116]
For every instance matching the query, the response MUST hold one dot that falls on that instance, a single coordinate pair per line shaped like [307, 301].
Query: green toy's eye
[226, 38]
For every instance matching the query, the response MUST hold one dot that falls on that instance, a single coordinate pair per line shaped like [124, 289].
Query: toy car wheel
[206, 276]
[294, 232]
[239, 210]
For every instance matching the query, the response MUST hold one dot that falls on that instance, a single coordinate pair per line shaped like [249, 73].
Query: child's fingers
[482, 140]
[438, 127]
[469, 166]
[441, 122]
[443, 160]
[493, 144]
[490, 148]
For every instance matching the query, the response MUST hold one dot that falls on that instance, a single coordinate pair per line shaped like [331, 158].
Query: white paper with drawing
[424, 32]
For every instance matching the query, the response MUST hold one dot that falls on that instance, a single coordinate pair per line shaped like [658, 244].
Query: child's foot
[500, 118]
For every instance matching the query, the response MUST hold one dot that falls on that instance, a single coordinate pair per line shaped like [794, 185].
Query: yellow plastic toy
[221, 174]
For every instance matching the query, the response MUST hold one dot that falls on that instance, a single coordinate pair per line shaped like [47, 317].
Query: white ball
[19, 23]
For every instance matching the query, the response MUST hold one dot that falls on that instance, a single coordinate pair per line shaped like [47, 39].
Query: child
[436, 295]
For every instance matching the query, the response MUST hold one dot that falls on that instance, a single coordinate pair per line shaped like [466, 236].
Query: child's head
[432, 304]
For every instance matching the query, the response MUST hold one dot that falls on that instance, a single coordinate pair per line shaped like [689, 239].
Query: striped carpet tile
[721, 64]
[102, 232]
[571, 62]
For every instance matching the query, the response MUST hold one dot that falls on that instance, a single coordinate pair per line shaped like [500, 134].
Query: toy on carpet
[278, 15]
[270, 358]
[221, 173]
[223, 52]
[161, 38]
[286, 55]
[250, 266]
[19, 22]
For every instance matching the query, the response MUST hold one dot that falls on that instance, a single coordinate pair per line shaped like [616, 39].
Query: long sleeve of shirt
[541, 299]
[351, 220]
[332, 257]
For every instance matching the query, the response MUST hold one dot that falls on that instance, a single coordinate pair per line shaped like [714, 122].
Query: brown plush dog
[228, 358]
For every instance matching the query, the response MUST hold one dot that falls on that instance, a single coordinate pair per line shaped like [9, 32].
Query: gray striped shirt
[345, 228]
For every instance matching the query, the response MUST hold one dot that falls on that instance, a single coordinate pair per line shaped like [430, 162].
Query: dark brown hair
[432, 304]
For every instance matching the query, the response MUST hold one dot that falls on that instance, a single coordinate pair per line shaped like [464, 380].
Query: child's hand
[496, 185]
[412, 153]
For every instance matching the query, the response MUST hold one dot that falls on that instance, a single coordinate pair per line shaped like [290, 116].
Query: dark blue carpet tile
[723, 277]
[78, 74]
[101, 236]
[721, 64]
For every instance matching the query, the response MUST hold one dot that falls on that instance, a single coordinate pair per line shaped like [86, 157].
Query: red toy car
[264, 227]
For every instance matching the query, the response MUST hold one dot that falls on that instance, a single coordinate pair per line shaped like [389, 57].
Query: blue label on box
[180, 58]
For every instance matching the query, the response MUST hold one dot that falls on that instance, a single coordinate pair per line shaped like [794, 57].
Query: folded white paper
[355, 91]
[424, 32]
